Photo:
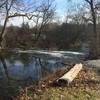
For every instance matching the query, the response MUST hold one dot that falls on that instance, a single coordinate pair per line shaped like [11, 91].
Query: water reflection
[25, 66]
[34, 65]
[4, 66]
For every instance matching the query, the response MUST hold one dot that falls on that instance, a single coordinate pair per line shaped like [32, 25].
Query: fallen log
[70, 75]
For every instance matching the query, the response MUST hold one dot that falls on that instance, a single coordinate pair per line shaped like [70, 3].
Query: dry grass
[85, 87]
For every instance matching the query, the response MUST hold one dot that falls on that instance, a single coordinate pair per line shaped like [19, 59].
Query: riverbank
[85, 87]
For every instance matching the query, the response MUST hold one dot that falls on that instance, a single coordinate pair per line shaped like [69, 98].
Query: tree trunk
[3, 29]
[95, 47]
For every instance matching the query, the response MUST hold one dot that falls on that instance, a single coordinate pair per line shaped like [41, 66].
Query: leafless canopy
[39, 11]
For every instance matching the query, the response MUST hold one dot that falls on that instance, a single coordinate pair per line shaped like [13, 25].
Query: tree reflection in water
[28, 66]
[2, 59]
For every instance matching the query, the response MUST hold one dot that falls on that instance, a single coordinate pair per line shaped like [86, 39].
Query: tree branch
[23, 15]
[2, 4]
[88, 1]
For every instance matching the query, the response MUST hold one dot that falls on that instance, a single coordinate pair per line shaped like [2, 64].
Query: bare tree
[10, 9]
[6, 7]
[93, 13]
[41, 13]
[93, 10]
[44, 13]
